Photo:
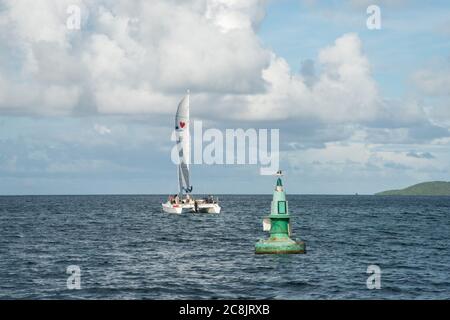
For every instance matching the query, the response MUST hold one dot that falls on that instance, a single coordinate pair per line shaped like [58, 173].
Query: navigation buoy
[278, 223]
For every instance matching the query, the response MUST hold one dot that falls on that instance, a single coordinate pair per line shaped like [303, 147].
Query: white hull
[190, 208]
[176, 208]
[209, 208]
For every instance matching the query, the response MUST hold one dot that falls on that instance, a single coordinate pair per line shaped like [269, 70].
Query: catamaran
[183, 201]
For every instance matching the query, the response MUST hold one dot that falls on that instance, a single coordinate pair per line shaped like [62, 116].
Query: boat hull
[209, 208]
[177, 208]
[185, 208]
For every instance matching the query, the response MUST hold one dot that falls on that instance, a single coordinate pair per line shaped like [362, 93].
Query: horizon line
[200, 194]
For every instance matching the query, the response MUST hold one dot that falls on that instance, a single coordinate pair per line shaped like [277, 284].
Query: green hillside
[435, 188]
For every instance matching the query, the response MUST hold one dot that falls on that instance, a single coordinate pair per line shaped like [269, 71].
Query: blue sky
[90, 111]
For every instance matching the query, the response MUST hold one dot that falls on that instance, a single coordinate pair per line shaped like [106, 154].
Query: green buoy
[278, 223]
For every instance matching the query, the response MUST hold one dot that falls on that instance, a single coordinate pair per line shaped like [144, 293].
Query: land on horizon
[433, 188]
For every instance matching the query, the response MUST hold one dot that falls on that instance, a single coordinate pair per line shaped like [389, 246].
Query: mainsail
[183, 144]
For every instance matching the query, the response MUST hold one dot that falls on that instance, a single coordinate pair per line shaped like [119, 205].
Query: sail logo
[227, 147]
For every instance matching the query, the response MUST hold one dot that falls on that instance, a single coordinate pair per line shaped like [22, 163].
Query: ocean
[127, 248]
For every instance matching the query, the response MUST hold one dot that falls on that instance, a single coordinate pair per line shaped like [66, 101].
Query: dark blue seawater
[127, 248]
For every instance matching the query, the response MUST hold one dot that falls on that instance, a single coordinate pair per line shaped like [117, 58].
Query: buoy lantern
[278, 223]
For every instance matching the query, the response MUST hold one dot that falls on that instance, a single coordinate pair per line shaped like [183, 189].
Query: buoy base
[285, 246]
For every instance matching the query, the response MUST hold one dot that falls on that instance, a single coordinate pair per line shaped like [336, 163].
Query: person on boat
[195, 206]
[188, 199]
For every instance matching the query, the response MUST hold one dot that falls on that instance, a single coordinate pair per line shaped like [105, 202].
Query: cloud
[138, 58]
[420, 155]
[433, 82]
[342, 92]
[364, 167]
[128, 58]
[396, 166]
[103, 130]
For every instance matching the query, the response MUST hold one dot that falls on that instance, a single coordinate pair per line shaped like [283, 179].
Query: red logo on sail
[182, 124]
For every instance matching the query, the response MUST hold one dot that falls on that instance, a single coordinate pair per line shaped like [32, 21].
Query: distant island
[434, 188]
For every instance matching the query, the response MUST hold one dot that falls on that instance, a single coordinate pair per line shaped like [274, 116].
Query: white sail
[183, 144]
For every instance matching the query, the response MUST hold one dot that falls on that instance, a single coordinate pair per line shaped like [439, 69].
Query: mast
[180, 182]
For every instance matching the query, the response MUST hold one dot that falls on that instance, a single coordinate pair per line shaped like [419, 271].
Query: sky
[91, 110]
